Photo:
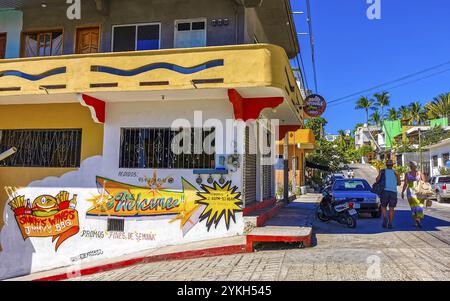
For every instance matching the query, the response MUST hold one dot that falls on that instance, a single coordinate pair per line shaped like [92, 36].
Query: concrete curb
[217, 251]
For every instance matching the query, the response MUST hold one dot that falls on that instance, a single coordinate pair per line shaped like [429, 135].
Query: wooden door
[88, 40]
[2, 45]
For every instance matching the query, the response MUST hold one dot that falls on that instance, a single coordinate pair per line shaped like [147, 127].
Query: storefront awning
[317, 166]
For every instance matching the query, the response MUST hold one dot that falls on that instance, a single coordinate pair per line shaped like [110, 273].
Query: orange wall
[293, 151]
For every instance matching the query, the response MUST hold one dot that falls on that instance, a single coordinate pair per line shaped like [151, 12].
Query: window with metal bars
[152, 148]
[42, 147]
[115, 225]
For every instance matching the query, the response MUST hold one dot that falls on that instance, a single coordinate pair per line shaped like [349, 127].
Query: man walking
[389, 195]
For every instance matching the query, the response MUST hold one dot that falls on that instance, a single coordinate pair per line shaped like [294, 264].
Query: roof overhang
[442, 143]
[277, 22]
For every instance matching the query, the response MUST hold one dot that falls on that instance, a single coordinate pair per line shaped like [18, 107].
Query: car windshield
[444, 180]
[351, 185]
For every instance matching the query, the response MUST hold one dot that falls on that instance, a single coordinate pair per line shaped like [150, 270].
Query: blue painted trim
[32, 77]
[210, 171]
[150, 67]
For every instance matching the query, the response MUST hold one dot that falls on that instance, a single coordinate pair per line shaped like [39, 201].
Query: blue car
[356, 191]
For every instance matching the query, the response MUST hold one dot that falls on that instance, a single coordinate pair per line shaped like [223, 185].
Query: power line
[398, 86]
[301, 66]
[389, 82]
[311, 42]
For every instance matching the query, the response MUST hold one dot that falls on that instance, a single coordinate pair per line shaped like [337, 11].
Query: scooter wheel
[351, 222]
[322, 216]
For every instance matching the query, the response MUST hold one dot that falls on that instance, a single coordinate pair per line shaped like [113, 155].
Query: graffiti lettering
[118, 235]
[93, 234]
[86, 255]
[127, 202]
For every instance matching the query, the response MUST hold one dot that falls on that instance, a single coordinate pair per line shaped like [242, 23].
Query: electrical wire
[301, 67]
[311, 42]
[388, 83]
[397, 86]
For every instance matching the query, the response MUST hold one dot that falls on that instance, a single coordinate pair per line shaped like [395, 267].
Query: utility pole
[286, 168]
[420, 151]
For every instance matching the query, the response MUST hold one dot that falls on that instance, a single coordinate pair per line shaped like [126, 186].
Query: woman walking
[417, 204]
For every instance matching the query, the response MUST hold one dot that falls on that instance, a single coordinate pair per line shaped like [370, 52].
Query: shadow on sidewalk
[403, 221]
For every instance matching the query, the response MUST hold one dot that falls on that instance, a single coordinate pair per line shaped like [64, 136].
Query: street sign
[315, 105]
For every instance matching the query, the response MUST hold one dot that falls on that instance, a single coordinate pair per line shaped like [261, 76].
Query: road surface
[368, 252]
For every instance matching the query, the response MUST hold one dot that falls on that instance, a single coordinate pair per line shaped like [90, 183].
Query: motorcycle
[340, 211]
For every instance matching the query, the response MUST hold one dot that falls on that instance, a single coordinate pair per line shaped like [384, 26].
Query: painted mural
[187, 205]
[47, 216]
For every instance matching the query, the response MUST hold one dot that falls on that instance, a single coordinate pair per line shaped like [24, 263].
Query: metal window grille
[151, 148]
[115, 225]
[42, 147]
[267, 170]
[250, 161]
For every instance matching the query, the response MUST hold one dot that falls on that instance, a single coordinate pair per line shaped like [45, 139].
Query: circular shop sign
[315, 105]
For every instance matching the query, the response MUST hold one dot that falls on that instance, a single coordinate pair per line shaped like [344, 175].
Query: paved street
[365, 253]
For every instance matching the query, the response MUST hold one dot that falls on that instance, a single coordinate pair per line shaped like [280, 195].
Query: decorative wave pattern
[33, 77]
[150, 67]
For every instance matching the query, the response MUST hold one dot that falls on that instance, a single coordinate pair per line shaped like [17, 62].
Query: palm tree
[418, 113]
[342, 139]
[405, 114]
[376, 118]
[393, 114]
[382, 101]
[439, 107]
[365, 103]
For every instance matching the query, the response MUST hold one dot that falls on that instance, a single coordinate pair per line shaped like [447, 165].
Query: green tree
[376, 118]
[342, 139]
[366, 104]
[382, 101]
[439, 107]
[364, 150]
[328, 154]
[418, 113]
[316, 125]
[393, 114]
[405, 114]
[435, 135]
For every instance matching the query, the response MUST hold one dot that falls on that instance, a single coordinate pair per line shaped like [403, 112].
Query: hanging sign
[315, 105]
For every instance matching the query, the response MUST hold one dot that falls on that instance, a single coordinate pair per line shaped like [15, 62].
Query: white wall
[11, 23]
[438, 151]
[23, 256]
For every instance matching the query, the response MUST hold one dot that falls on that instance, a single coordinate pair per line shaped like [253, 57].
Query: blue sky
[354, 53]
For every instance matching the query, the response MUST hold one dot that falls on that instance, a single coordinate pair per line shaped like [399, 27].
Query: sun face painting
[47, 216]
[188, 205]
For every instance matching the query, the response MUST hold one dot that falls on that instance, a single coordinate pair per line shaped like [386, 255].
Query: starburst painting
[221, 202]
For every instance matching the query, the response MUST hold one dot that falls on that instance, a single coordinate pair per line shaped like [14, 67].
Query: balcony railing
[194, 68]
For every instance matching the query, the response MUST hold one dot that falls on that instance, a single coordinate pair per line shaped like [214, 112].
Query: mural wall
[63, 221]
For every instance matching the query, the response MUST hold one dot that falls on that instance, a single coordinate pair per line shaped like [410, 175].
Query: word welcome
[125, 201]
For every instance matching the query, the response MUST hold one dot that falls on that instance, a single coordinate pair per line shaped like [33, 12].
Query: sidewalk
[297, 214]
[214, 247]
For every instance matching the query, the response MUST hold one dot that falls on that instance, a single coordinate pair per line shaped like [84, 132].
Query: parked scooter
[340, 211]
